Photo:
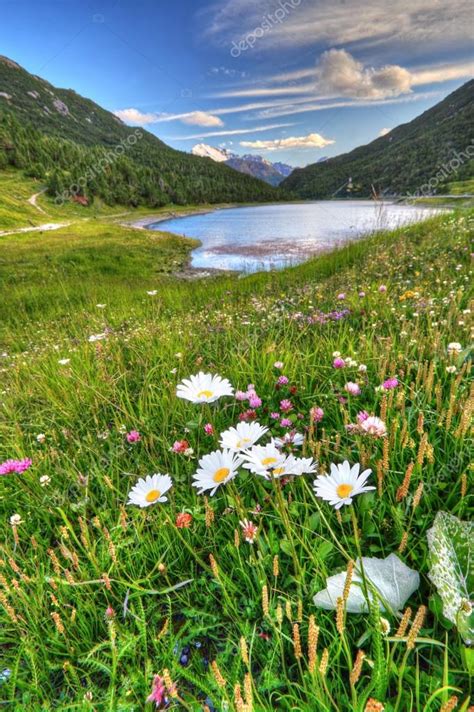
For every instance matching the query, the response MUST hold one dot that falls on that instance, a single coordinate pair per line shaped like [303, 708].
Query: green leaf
[452, 569]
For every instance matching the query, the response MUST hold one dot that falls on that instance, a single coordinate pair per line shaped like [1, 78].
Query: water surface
[267, 237]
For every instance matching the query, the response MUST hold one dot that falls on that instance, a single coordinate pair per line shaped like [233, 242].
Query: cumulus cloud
[343, 75]
[312, 140]
[135, 117]
[201, 118]
[384, 132]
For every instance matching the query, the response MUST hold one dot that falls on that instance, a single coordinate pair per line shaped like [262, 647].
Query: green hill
[80, 149]
[403, 160]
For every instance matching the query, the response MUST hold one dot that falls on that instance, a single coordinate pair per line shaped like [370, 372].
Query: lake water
[267, 237]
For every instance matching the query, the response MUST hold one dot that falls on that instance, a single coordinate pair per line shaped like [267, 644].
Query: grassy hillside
[403, 160]
[68, 140]
[98, 597]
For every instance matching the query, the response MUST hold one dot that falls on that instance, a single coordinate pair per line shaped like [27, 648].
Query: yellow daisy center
[268, 461]
[244, 441]
[344, 491]
[204, 394]
[221, 474]
[153, 495]
[278, 470]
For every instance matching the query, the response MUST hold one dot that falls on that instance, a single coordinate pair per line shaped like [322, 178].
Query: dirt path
[40, 228]
[32, 201]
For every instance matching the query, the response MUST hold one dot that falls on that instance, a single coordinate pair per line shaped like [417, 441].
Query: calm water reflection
[274, 236]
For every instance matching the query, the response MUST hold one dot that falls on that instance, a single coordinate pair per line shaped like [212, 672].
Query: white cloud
[312, 140]
[192, 118]
[342, 75]
[369, 23]
[135, 117]
[302, 107]
[442, 73]
[384, 132]
[201, 118]
[230, 132]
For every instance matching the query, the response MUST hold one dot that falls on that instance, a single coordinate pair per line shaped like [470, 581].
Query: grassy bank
[99, 596]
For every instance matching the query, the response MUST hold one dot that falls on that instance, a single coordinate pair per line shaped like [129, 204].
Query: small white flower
[451, 369]
[242, 437]
[336, 354]
[64, 361]
[152, 292]
[362, 368]
[216, 469]
[374, 426]
[41, 437]
[149, 490]
[342, 484]
[16, 520]
[204, 388]
[97, 337]
[45, 480]
[101, 306]
[454, 348]
[291, 438]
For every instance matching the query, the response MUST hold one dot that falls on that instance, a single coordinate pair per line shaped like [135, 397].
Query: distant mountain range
[256, 166]
[416, 157]
[67, 141]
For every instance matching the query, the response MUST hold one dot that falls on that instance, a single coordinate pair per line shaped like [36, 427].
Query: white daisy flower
[204, 388]
[291, 438]
[149, 490]
[342, 484]
[97, 337]
[242, 437]
[260, 459]
[304, 466]
[216, 469]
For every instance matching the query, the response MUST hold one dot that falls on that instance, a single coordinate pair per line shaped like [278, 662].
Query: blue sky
[293, 80]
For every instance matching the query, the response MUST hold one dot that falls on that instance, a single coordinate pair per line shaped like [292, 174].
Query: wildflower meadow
[237, 493]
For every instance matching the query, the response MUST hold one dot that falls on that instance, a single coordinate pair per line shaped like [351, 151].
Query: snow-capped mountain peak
[217, 154]
[254, 165]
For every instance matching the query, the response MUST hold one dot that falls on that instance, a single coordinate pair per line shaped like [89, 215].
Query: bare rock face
[61, 107]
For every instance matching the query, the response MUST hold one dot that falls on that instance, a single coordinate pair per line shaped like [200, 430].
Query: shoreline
[191, 272]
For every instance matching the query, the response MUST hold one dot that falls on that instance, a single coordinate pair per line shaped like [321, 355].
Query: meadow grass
[98, 597]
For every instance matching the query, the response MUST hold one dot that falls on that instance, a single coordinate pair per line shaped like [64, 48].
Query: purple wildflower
[15, 466]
